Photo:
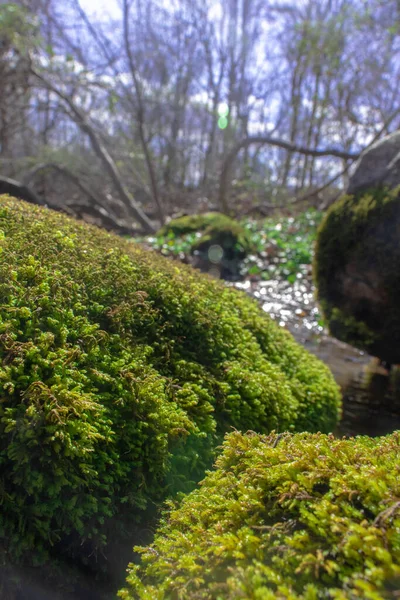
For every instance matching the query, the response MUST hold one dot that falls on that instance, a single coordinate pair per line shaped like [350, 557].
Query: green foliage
[120, 373]
[360, 232]
[279, 247]
[194, 232]
[302, 517]
[284, 245]
[18, 27]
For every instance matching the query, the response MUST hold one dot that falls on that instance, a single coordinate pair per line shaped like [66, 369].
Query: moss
[351, 330]
[194, 223]
[120, 373]
[215, 228]
[356, 270]
[298, 517]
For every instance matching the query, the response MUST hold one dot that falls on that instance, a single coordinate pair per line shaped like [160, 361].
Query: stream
[371, 393]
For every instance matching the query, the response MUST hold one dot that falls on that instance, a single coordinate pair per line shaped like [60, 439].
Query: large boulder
[120, 372]
[221, 243]
[378, 166]
[357, 272]
[305, 517]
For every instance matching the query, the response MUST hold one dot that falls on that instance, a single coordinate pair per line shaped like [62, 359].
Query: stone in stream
[120, 373]
[358, 255]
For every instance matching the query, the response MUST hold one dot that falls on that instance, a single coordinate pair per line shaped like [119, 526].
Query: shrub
[120, 372]
[356, 270]
[305, 516]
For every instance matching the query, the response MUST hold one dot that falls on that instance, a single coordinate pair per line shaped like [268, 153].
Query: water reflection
[371, 394]
[292, 305]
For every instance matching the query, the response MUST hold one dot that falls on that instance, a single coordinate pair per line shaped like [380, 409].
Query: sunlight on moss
[120, 373]
[282, 517]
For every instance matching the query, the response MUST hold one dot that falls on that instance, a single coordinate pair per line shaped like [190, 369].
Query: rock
[221, 246]
[281, 516]
[357, 272]
[120, 372]
[379, 165]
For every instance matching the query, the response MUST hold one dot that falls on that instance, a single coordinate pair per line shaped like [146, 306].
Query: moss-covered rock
[298, 517]
[222, 243]
[120, 372]
[201, 222]
[357, 271]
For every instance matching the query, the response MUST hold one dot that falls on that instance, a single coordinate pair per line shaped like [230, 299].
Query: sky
[101, 7]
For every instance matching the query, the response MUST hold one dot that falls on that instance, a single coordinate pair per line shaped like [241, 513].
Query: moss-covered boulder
[120, 371]
[298, 517]
[357, 271]
[221, 245]
[201, 222]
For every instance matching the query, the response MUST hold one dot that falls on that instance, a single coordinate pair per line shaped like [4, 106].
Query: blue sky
[100, 7]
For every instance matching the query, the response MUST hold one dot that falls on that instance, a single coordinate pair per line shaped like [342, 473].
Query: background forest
[130, 115]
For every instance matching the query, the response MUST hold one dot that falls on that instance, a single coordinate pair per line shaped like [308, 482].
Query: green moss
[120, 373]
[358, 240]
[302, 517]
[351, 330]
[194, 223]
[215, 228]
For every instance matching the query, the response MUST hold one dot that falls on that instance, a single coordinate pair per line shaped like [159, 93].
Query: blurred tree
[146, 107]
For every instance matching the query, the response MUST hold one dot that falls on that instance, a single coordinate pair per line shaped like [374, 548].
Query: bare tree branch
[102, 153]
[22, 191]
[98, 212]
[66, 173]
[19, 190]
[228, 162]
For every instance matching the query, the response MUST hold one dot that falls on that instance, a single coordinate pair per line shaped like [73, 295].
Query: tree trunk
[103, 154]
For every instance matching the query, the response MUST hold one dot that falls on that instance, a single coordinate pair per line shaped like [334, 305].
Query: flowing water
[371, 393]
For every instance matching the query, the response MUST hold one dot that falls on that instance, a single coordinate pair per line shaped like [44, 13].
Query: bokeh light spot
[223, 109]
[215, 254]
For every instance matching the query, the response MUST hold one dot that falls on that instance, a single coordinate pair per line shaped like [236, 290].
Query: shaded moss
[215, 228]
[357, 247]
[120, 373]
[292, 517]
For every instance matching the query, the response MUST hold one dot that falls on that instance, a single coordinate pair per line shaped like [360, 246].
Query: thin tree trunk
[140, 117]
[103, 154]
